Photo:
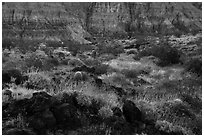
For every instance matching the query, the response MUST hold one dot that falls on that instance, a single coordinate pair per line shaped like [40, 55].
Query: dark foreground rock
[42, 121]
[131, 113]
[67, 115]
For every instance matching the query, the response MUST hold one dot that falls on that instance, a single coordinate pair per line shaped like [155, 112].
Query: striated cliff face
[147, 17]
[108, 18]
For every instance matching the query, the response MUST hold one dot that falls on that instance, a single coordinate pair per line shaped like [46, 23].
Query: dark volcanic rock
[67, 115]
[42, 121]
[131, 113]
[70, 98]
[40, 101]
[121, 127]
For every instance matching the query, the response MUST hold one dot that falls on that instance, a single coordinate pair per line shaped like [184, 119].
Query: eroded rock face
[115, 18]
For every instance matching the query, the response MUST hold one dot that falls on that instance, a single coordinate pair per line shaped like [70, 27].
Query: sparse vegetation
[164, 52]
[195, 66]
[79, 73]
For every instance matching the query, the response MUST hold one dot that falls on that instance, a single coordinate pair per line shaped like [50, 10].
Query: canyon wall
[107, 18]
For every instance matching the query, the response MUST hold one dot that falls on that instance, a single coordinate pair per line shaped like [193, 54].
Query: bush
[105, 112]
[110, 48]
[168, 128]
[7, 43]
[101, 69]
[167, 54]
[133, 73]
[33, 60]
[195, 66]
[50, 63]
[38, 81]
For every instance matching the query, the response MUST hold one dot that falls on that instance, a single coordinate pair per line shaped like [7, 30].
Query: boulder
[70, 98]
[131, 113]
[121, 127]
[67, 115]
[42, 121]
[40, 102]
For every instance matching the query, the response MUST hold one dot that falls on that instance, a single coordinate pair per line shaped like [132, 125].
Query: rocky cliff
[110, 18]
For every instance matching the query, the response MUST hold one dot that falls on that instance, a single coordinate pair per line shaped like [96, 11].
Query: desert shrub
[105, 112]
[13, 60]
[54, 43]
[38, 80]
[74, 62]
[166, 127]
[179, 113]
[133, 73]
[7, 43]
[91, 62]
[194, 101]
[84, 100]
[19, 121]
[177, 33]
[195, 66]
[32, 60]
[130, 73]
[118, 35]
[50, 63]
[110, 48]
[167, 54]
[75, 48]
[101, 69]
[106, 57]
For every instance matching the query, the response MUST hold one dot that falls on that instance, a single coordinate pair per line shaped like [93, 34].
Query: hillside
[102, 68]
